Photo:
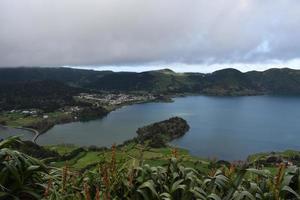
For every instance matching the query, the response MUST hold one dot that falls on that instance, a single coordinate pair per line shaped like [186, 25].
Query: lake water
[6, 132]
[222, 127]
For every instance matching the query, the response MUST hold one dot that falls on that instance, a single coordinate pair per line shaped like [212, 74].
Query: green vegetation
[144, 167]
[43, 121]
[62, 149]
[24, 120]
[20, 174]
[37, 122]
[115, 176]
[56, 86]
[51, 90]
[158, 134]
[83, 157]
[34, 150]
[290, 157]
[45, 95]
[129, 152]
[226, 82]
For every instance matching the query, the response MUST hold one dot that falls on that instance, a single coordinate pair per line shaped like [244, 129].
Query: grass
[130, 153]
[88, 158]
[72, 162]
[284, 154]
[288, 154]
[62, 148]
[16, 119]
[22, 120]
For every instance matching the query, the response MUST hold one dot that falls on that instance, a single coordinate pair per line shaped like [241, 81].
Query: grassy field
[23, 120]
[130, 154]
[62, 148]
[17, 119]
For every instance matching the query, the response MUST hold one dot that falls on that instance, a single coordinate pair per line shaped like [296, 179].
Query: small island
[160, 133]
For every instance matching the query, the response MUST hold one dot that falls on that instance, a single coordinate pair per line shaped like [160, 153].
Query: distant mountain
[151, 81]
[75, 77]
[221, 82]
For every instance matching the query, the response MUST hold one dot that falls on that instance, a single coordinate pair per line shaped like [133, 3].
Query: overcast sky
[186, 35]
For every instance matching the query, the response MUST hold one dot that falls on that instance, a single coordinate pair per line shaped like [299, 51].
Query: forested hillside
[46, 95]
[222, 82]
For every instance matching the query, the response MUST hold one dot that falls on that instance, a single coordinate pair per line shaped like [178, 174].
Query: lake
[7, 132]
[221, 127]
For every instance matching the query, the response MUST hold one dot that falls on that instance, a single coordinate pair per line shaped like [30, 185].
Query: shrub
[24, 177]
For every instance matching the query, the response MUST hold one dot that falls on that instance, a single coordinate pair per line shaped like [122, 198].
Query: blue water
[221, 127]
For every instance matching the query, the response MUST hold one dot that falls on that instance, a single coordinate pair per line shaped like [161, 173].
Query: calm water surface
[222, 127]
[6, 132]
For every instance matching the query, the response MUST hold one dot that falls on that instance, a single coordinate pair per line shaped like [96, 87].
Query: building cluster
[114, 99]
[31, 112]
[70, 109]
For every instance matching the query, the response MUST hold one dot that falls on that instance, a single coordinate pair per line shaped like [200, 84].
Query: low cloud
[134, 32]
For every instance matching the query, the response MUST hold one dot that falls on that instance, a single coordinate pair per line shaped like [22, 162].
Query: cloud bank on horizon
[198, 34]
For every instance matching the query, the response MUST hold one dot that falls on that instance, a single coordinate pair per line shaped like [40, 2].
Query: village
[114, 99]
[40, 113]
[29, 112]
[88, 106]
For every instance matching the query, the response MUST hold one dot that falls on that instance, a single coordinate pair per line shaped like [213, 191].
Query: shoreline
[34, 131]
[109, 110]
[168, 98]
[144, 102]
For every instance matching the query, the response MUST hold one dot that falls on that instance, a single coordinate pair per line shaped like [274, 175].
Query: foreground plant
[175, 181]
[20, 174]
[23, 177]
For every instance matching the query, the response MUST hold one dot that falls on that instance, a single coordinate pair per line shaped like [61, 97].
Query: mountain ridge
[227, 81]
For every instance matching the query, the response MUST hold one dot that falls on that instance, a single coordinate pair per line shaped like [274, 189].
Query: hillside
[229, 82]
[150, 81]
[75, 77]
[277, 81]
[47, 95]
[221, 82]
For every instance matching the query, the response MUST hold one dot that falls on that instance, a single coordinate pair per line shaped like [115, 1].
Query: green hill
[221, 82]
[277, 81]
[47, 95]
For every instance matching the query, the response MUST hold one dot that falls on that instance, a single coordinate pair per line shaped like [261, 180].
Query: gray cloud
[125, 32]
